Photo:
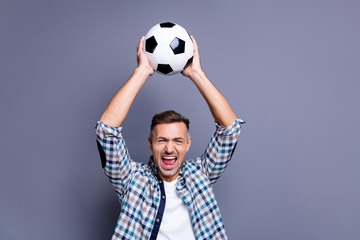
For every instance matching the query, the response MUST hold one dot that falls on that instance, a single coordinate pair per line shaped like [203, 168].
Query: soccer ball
[169, 48]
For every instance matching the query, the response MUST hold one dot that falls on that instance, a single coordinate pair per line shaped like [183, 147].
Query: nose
[169, 147]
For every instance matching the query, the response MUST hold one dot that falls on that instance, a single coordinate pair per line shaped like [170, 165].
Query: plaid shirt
[141, 191]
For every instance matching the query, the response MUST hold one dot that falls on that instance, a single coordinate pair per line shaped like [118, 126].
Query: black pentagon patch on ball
[167, 25]
[178, 46]
[188, 62]
[150, 44]
[164, 68]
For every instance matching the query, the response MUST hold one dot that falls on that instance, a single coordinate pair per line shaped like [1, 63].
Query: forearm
[119, 106]
[218, 105]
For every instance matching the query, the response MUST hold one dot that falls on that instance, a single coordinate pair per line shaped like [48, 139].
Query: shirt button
[158, 220]
[163, 197]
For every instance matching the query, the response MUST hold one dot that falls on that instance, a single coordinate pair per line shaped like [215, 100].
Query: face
[169, 145]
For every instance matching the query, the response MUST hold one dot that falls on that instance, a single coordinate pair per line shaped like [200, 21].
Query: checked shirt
[141, 191]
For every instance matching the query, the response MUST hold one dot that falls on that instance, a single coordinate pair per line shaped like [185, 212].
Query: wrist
[144, 71]
[197, 75]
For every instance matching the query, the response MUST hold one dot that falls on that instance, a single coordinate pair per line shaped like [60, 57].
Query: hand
[195, 66]
[142, 60]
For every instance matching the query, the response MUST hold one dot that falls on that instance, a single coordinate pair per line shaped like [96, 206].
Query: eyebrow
[177, 138]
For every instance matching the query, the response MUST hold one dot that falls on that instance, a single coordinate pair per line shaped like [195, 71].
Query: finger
[194, 43]
[196, 48]
[141, 43]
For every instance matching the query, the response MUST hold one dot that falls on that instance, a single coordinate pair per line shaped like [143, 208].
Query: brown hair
[168, 117]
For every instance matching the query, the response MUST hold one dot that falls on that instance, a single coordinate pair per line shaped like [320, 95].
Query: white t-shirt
[176, 222]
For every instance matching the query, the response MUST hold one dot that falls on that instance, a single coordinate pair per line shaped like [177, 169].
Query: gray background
[289, 68]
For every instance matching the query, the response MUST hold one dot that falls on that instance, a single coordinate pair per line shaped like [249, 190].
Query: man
[169, 198]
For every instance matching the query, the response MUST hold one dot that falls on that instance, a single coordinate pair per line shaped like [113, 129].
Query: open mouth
[168, 161]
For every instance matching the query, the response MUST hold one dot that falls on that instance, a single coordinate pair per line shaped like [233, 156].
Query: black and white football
[168, 47]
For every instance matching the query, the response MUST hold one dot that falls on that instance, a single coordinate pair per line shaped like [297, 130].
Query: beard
[169, 174]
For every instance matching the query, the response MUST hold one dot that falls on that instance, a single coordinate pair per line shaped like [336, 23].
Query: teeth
[169, 158]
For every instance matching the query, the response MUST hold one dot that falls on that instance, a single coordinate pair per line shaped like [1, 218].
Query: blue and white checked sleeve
[220, 149]
[114, 156]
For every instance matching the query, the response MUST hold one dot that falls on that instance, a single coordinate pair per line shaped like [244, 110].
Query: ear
[149, 141]
[188, 143]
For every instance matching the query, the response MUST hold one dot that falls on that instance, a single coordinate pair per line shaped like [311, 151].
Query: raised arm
[219, 107]
[119, 106]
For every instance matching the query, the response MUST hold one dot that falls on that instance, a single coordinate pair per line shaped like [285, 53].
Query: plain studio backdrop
[289, 68]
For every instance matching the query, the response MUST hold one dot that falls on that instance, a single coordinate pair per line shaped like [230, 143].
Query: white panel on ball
[163, 54]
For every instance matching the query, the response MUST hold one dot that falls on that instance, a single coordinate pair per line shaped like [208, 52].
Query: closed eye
[179, 140]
